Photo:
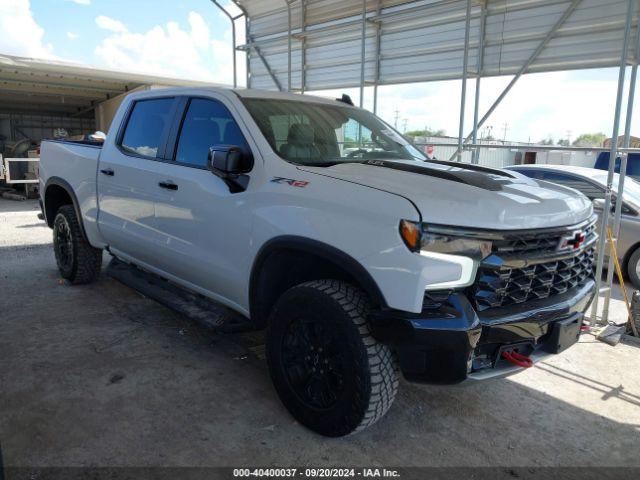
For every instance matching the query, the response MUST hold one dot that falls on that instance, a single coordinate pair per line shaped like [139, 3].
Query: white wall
[501, 157]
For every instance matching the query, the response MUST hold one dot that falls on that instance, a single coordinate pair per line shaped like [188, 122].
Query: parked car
[593, 184]
[633, 164]
[358, 263]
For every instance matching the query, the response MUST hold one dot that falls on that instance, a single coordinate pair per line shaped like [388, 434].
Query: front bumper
[449, 341]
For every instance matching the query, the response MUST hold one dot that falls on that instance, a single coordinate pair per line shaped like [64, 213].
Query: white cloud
[19, 32]
[72, 35]
[81, 2]
[110, 24]
[169, 50]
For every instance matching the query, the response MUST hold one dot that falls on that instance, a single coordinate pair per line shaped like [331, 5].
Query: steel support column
[232, 19]
[363, 50]
[378, 57]
[623, 171]
[303, 46]
[288, 45]
[463, 93]
[246, 39]
[525, 67]
[247, 26]
[479, 67]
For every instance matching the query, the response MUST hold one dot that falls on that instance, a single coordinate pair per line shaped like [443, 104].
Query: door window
[207, 123]
[146, 126]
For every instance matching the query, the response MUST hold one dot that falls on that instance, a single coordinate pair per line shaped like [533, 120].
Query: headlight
[421, 237]
[469, 247]
[448, 245]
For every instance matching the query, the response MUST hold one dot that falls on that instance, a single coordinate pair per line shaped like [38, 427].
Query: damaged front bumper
[449, 341]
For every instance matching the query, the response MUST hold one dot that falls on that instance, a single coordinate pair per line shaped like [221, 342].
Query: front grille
[517, 272]
[536, 244]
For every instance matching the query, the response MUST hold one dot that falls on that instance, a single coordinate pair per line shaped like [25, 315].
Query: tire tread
[87, 259]
[383, 368]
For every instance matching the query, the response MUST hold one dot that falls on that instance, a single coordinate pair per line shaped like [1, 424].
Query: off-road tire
[633, 267]
[368, 368]
[86, 261]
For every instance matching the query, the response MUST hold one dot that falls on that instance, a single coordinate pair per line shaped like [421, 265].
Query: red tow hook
[518, 359]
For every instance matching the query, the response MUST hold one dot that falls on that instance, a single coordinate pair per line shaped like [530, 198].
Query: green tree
[547, 141]
[427, 132]
[564, 142]
[590, 140]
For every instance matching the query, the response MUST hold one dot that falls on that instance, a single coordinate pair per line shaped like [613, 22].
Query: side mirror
[230, 163]
[229, 160]
[598, 203]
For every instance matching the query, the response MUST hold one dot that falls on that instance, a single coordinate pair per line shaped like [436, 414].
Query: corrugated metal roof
[424, 40]
[52, 87]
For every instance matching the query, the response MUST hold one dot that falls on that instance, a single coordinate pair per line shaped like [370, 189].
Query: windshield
[323, 135]
[631, 187]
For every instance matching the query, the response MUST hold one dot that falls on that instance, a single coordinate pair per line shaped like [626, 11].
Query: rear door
[128, 176]
[205, 228]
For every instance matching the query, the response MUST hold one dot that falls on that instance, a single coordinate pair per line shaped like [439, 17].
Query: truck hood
[464, 195]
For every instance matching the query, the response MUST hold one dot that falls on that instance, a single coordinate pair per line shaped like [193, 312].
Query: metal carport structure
[62, 88]
[301, 45]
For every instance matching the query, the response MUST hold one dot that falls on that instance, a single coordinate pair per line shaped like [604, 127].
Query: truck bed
[74, 163]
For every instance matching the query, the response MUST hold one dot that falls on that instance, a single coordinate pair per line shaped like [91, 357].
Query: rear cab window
[146, 127]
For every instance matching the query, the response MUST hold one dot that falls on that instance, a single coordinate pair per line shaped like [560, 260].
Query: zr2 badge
[290, 181]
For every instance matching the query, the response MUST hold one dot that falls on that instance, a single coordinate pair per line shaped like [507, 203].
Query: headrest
[300, 134]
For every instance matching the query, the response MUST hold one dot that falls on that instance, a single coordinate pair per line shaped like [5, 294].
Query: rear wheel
[328, 370]
[633, 268]
[77, 260]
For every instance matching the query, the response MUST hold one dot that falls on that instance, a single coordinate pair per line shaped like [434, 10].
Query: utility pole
[569, 132]
[404, 125]
[395, 119]
[505, 127]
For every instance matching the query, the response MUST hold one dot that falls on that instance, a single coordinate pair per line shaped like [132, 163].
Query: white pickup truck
[318, 221]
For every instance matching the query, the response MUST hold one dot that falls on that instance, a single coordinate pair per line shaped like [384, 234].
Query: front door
[205, 228]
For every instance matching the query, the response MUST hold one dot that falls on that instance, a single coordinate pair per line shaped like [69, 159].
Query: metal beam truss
[607, 220]
[475, 16]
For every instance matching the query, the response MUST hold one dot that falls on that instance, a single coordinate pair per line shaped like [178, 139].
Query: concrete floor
[98, 376]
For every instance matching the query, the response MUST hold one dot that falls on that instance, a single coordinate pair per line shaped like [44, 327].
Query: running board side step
[195, 307]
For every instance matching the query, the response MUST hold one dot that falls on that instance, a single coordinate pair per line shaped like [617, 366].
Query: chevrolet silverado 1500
[318, 221]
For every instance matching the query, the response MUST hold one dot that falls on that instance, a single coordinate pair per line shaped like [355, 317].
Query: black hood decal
[471, 166]
[470, 177]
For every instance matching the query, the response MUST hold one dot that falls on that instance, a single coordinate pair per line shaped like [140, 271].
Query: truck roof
[240, 92]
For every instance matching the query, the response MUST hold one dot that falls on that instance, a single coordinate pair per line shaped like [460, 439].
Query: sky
[191, 39]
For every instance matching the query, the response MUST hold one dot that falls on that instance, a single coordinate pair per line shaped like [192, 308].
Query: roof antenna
[345, 99]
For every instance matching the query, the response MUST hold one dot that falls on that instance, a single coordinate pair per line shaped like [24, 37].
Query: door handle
[108, 172]
[168, 185]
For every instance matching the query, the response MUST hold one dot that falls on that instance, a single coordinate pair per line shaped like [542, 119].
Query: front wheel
[328, 370]
[633, 268]
[77, 260]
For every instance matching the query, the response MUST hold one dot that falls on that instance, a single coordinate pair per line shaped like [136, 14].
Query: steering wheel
[357, 152]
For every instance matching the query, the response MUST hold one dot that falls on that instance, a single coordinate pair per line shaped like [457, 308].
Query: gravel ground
[99, 376]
